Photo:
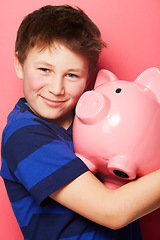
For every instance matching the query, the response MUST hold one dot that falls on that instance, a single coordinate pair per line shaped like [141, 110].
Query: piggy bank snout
[92, 107]
[121, 167]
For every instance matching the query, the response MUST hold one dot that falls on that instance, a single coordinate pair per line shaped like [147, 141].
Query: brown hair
[68, 25]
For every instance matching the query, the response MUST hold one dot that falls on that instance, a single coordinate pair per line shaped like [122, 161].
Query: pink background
[131, 29]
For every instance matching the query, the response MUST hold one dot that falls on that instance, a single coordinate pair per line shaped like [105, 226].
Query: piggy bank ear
[150, 78]
[104, 76]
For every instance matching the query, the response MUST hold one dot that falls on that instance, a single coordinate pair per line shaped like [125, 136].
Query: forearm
[138, 198]
[87, 196]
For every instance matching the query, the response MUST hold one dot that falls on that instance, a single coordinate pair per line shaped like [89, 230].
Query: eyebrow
[45, 63]
[76, 70]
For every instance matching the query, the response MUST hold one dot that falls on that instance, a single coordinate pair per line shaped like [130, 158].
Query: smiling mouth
[53, 103]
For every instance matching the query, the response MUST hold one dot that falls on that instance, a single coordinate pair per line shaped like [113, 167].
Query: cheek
[77, 90]
[32, 82]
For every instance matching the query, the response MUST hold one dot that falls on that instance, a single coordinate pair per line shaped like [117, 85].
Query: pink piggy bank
[116, 129]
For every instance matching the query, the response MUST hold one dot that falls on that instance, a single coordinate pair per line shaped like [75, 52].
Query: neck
[65, 121]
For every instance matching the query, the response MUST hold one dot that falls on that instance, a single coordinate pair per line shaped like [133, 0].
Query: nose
[56, 86]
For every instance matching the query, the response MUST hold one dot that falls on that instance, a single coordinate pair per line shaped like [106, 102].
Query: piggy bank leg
[122, 167]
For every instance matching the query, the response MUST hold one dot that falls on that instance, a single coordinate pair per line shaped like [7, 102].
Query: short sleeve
[41, 157]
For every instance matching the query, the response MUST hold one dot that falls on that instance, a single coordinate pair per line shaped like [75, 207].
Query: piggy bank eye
[118, 90]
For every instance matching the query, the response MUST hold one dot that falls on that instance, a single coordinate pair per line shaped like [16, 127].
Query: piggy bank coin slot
[120, 174]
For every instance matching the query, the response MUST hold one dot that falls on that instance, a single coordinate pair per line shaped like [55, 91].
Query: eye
[44, 70]
[118, 90]
[72, 75]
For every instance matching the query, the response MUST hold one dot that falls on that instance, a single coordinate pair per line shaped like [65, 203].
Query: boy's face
[53, 81]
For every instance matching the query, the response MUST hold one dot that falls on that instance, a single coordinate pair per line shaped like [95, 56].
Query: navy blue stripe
[24, 142]
[49, 226]
[54, 181]
[56, 129]
[132, 231]
[16, 191]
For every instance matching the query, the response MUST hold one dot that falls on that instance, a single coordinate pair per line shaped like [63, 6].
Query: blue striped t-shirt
[37, 159]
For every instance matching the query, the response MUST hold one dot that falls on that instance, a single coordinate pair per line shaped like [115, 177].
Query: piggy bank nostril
[120, 174]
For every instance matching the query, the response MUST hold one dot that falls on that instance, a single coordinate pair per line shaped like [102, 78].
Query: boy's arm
[89, 197]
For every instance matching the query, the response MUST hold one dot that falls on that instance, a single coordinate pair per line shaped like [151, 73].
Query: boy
[52, 192]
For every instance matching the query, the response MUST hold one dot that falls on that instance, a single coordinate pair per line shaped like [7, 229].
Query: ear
[18, 66]
[150, 78]
[104, 76]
